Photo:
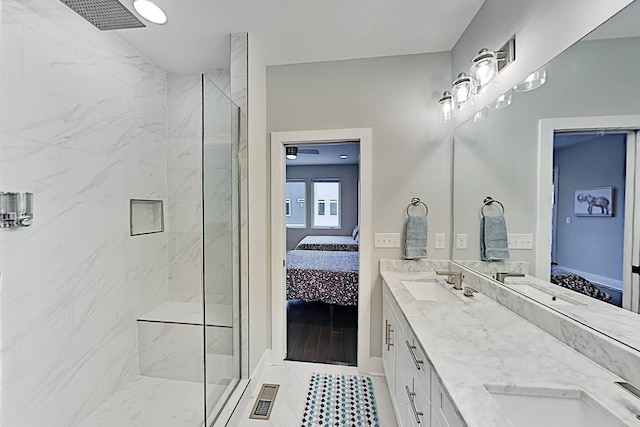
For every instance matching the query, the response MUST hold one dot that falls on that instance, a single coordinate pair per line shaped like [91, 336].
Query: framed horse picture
[594, 202]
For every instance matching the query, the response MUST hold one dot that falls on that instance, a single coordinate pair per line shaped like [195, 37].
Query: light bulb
[446, 102]
[463, 90]
[484, 68]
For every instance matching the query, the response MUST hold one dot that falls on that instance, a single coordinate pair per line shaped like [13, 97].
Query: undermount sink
[538, 295]
[535, 407]
[429, 290]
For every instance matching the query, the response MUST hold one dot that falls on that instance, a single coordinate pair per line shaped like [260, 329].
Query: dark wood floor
[314, 334]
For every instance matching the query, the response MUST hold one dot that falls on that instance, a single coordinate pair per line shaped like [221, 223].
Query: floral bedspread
[327, 276]
[328, 243]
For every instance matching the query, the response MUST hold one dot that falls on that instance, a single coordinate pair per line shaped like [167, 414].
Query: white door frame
[546, 132]
[278, 235]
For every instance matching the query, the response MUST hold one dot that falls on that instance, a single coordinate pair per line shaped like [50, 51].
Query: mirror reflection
[545, 187]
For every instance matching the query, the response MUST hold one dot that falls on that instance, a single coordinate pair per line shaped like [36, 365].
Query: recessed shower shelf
[145, 216]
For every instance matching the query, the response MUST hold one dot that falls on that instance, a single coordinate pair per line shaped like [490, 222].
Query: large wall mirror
[563, 162]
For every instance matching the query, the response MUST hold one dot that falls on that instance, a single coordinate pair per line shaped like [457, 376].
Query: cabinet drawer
[418, 406]
[419, 361]
[442, 408]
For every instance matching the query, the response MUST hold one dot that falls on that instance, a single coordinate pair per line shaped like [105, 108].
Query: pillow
[356, 231]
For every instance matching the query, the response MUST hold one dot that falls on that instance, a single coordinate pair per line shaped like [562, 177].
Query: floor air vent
[264, 403]
[105, 14]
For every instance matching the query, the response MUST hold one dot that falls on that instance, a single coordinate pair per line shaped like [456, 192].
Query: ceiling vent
[105, 14]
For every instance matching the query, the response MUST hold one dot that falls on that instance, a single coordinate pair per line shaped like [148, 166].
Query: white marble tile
[79, 111]
[184, 102]
[294, 378]
[221, 78]
[185, 247]
[186, 278]
[151, 402]
[184, 153]
[171, 351]
[189, 312]
[184, 216]
[184, 184]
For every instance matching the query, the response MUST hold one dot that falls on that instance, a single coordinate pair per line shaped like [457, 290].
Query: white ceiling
[196, 38]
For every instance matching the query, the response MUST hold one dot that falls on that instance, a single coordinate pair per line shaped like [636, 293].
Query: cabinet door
[388, 346]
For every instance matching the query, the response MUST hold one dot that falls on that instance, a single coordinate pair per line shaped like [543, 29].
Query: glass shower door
[221, 284]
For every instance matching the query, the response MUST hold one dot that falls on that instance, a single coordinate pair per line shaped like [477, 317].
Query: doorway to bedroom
[321, 209]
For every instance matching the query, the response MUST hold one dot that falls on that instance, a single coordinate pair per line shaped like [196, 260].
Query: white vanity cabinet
[418, 397]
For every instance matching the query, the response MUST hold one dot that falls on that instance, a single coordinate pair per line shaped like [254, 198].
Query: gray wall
[348, 175]
[398, 98]
[592, 245]
[497, 156]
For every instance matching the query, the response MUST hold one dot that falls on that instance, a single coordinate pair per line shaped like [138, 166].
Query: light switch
[461, 241]
[568, 220]
[520, 241]
[440, 241]
[387, 240]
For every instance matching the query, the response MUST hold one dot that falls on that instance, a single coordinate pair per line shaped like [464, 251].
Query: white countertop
[477, 341]
[615, 322]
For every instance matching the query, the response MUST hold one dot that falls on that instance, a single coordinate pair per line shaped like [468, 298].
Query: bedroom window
[294, 206]
[326, 200]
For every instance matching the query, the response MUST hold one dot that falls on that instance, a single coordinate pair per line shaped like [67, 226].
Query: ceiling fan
[292, 152]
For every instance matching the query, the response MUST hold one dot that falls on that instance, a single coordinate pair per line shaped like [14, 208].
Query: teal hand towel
[415, 237]
[494, 243]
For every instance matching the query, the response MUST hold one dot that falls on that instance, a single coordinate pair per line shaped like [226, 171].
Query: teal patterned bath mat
[340, 400]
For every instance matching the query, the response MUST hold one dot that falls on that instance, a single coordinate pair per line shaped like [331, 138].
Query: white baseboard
[372, 366]
[258, 373]
[596, 279]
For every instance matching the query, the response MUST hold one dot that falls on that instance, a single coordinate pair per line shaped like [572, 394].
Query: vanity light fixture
[446, 102]
[484, 68]
[343, 156]
[150, 11]
[292, 153]
[533, 81]
[463, 90]
[486, 65]
[503, 101]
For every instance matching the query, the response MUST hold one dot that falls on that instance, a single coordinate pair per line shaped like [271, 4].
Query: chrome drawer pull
[412, 349]
[389, 332]
[416, 413]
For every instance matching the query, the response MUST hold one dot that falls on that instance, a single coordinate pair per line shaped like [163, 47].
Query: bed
[328, 243]
[578, 284]
[326, 276]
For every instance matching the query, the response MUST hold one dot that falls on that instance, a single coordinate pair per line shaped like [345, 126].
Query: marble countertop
[615, 322]
[476, 341]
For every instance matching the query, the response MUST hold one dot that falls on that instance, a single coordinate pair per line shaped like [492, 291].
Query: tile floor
[293, 378]
[154, 402]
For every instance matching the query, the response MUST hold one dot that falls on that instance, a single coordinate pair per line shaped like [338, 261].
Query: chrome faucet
[501, 276]
[453, 278]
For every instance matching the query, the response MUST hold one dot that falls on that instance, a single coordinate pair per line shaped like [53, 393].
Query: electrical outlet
[461, 241]
[520, 241]
[440, 241]
[387, 240]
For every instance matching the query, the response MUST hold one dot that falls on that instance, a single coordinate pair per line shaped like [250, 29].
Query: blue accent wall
[590, 244]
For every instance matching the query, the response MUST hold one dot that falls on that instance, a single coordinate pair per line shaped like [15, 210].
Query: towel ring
[488, 201]
[415, 202]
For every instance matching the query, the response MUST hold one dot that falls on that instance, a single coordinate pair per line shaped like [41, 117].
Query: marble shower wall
[184, 184]
[83, 127]
[184, 181]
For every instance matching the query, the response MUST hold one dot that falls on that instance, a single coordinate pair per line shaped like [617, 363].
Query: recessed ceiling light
[343, 156]
[150, 11]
